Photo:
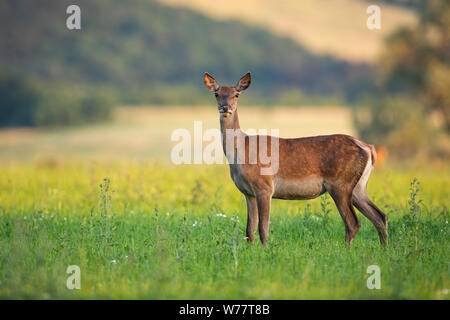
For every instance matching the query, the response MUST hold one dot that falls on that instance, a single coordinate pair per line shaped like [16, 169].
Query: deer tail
[373, 153]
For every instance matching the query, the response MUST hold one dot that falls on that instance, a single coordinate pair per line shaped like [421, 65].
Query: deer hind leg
[343, 201]
[263, 203]
[362, 202]
[252, 217]
[375, 215]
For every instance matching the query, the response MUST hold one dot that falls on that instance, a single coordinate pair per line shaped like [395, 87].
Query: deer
[307, 168]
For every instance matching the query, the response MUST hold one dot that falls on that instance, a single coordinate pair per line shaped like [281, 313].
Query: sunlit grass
[159, 231]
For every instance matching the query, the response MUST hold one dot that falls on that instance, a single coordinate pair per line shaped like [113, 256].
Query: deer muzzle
[225, 110]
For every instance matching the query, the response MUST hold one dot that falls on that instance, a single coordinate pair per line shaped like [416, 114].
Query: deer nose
[224, 109]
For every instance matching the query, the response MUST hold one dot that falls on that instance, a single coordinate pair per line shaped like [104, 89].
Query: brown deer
[308, 167]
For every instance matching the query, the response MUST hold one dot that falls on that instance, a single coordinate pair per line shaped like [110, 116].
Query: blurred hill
[146, 52]
[333, 27]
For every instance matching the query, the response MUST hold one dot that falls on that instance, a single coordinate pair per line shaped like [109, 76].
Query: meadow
[143, 228]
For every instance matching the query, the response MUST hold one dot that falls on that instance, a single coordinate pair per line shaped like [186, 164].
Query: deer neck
[230, 123]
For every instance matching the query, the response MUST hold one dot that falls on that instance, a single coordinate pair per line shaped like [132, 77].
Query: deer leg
[263, 203]
[373, 213]
[252, 217]
[343, 201]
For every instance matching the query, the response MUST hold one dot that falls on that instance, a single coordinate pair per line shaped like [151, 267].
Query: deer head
[227, 97]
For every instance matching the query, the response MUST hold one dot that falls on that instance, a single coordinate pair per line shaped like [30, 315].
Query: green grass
[155, 233]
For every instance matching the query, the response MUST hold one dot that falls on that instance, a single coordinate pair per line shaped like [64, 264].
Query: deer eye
[237, 95]
[216, 94]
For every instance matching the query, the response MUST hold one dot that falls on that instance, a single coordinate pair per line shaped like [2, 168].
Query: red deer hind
[307, 168]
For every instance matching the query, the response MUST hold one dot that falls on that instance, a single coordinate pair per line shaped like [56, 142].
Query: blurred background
[134, 72]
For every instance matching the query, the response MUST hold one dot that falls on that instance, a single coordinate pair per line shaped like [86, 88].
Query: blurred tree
[64, 106]
[416, 61]
[18, 100]
[398, 124]
[409, 112]
[25, 103]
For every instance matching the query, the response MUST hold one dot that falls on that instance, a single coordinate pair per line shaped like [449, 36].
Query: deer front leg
[252, 217]
[263, 203]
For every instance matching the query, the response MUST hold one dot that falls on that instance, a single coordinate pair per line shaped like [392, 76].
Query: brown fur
[308, 167]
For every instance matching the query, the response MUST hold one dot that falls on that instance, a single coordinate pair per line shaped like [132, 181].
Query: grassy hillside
[335, 27]
[151, 53]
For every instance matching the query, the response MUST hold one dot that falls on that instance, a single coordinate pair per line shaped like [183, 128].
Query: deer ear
[244, 82]
[210, 82]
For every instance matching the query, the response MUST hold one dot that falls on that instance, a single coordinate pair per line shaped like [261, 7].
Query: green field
[155, 234]
[158, 231]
